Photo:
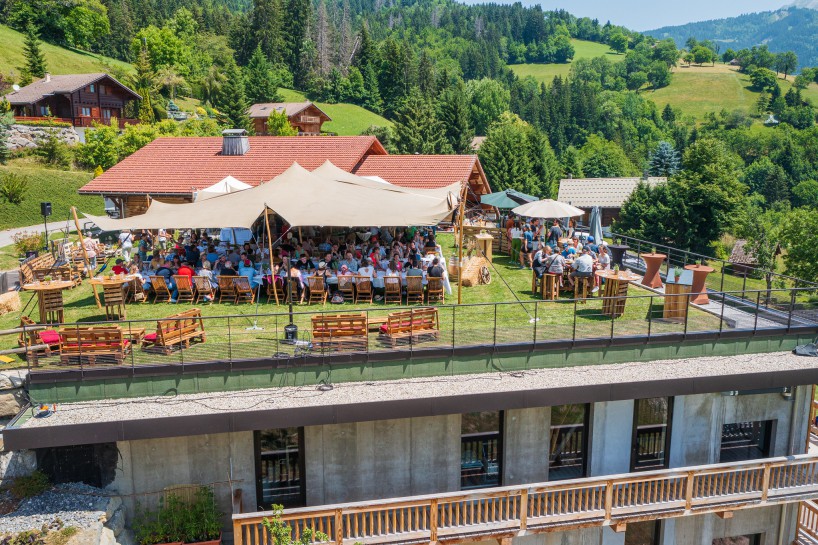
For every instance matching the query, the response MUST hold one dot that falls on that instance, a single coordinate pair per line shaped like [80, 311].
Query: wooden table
[109, 281]
[616, 291]
[700, 273]
[653, 262]
[677, 296]
[484, 244]
[49, 299]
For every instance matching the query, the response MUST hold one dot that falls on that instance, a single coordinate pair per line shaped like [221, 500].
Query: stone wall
[28, 136]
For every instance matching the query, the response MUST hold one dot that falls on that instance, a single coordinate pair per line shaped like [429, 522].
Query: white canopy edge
[326, 197]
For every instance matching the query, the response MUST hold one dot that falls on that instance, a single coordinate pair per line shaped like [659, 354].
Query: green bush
[53, 151]
[30, 485]
[44, 123]
[13, 187]
[178, 520]
[26, 241]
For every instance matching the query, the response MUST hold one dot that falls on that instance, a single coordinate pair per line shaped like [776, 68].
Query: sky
[651, 14]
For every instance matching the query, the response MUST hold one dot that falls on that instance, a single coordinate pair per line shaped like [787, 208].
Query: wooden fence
[510, 511]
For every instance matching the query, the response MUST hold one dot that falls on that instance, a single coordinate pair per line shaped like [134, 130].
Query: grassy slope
[60, 60]
[57, 186]
[582, 50]
[347, 119]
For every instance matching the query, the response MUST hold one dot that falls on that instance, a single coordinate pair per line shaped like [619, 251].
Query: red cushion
[49, 336]
[150, 337]
[383, 328]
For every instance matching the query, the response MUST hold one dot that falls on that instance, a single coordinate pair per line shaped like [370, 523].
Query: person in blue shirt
[568, 251]
[592, 246]
[527, 250]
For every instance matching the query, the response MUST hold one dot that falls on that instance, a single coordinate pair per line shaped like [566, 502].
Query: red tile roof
[176, 165]
[419, 171]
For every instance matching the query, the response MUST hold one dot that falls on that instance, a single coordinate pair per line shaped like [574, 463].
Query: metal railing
[245, 337]
[517, 510]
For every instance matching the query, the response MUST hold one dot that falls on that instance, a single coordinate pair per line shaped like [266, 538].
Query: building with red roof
[173, 169]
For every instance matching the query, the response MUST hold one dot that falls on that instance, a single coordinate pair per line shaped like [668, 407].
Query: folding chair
[346, 286]
[184, 288]
[414, 289]
[160, 289]
[318, 290]
[363, 289]
[391, 285]
[227, 290]
[434, 289]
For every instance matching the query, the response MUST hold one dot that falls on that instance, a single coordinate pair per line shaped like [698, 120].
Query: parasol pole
[270, 249]
[85, 258]
[461, 215]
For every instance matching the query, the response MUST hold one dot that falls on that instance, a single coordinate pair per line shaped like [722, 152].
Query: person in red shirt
[186, 270]
[119, 268]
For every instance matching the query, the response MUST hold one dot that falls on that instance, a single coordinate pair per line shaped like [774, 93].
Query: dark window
[568, 443]
[746, 441]
[651, 433]
[279, 466]
[754, 539]
[480, 449]
[642, 533]
[90, 464]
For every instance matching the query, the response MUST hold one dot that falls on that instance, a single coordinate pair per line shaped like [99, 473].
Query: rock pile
[29, 136]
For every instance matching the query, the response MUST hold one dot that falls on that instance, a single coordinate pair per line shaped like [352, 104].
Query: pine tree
[232, 100]
[571, 163]
[259, 83]
[367, 54]
[266, 23]
[664, 161]
[453, 112]
[426, 75]
[144, 81]
[372, 97]
[6, 119]
[35, 61]
[417, 129]
[668, 115]
[298, 14]
[763, 103]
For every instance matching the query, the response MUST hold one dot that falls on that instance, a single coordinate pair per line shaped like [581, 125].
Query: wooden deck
[500, 513]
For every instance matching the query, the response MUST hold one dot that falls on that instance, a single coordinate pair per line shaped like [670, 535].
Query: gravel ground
[419, 388]
[74, 504]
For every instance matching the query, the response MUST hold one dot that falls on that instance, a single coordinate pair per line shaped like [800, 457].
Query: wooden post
[433, 521]
[765, 482]
[461, 215]
[608, 499]
[339, 529]
[524, 510]
[85, 254]
[270, 247]
[689, 490]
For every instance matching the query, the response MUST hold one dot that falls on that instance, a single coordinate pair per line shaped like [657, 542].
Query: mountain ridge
[790, 28]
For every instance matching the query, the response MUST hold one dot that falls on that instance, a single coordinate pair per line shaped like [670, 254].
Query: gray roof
[602, 192]
[264, 109]
[55, 85]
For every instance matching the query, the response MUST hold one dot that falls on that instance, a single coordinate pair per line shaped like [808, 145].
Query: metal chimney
[235, 142]
[47, 77]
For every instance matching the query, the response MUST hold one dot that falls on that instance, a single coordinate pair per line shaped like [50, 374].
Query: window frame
[501, 416]
[768, 446]
[668, 433]
[301, 501]
[586, 443]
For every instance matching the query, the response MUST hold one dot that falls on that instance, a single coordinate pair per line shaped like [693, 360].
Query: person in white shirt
[365, 269]
[163, 239]
[583, 267]
[126, 244]
[516, 242]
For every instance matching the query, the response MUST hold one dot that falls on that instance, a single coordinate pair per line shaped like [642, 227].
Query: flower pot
[216, 541]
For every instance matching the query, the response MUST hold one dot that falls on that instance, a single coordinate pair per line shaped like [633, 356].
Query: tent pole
[85, 259]
[461, 215]
[270, 249]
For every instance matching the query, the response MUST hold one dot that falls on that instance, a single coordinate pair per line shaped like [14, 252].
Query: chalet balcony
[83, 121]
[511, 511]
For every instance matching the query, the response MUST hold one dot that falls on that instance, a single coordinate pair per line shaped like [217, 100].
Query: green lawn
[347, 119]
[45, 184]
[463, 325]
[582, 50]
[59, 60]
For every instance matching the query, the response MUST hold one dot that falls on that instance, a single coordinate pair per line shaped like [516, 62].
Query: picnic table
[49, 298]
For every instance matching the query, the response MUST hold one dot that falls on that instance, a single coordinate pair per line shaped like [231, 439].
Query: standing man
[554, 235]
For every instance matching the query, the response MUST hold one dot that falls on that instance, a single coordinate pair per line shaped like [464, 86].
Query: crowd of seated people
[191, 253]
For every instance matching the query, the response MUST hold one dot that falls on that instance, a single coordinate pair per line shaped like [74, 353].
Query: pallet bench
[91, 343]
[176, 330]
[416, 324]
[340, 331]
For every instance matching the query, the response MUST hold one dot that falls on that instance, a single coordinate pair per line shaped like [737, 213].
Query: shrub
[26, 241]
[54, 151]
[13, 187]
[177, 520]
[30, 485]
[44, 123]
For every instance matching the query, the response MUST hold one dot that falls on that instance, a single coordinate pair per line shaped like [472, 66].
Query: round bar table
[653, 262]
[115, 281]
[49, 298]
[615, 294]
[617, 253]
[700, 273]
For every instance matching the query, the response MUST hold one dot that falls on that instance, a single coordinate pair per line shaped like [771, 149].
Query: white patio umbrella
[547, 208]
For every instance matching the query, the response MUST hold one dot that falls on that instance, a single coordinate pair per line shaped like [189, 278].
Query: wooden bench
[29, 266]
[91, 343]
[340, 331]
[179, 329]
[415, 324]
[34, 334]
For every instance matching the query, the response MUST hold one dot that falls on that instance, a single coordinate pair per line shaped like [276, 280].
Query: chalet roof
[55, 85]
[263, 110]
[173, 166]
[602, 192]
[741, 254]
[423, 171]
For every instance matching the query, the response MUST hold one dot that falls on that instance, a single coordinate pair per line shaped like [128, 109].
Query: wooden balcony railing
[807, 522]
[517, 510]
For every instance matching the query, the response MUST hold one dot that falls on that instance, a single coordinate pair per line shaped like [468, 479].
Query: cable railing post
[686, 302]
[758, 308]
[574, 334]
[650, 315]
[494, 343]
[131, 342]
[792, 308]
[454, 329]
[229, 342]
[721, 317]
[536, 319]
[721, 287]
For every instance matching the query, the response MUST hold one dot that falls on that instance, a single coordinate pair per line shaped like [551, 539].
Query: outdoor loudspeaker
[45, 208]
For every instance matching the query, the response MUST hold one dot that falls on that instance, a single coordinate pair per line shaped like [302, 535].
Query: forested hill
[787, 29]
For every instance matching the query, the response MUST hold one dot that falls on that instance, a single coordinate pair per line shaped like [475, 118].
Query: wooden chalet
[304, 116]
[79, 99]
[609, 194]
[173, 170]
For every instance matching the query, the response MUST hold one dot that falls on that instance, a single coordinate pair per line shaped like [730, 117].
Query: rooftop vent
[235, 142]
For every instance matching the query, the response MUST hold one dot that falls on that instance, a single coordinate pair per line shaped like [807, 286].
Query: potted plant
[677, 274]
[177, 521]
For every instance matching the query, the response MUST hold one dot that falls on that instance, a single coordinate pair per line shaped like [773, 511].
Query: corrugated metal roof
[67, 83]
[602, 192]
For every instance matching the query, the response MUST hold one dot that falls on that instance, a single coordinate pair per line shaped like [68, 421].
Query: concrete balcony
[506, 512]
